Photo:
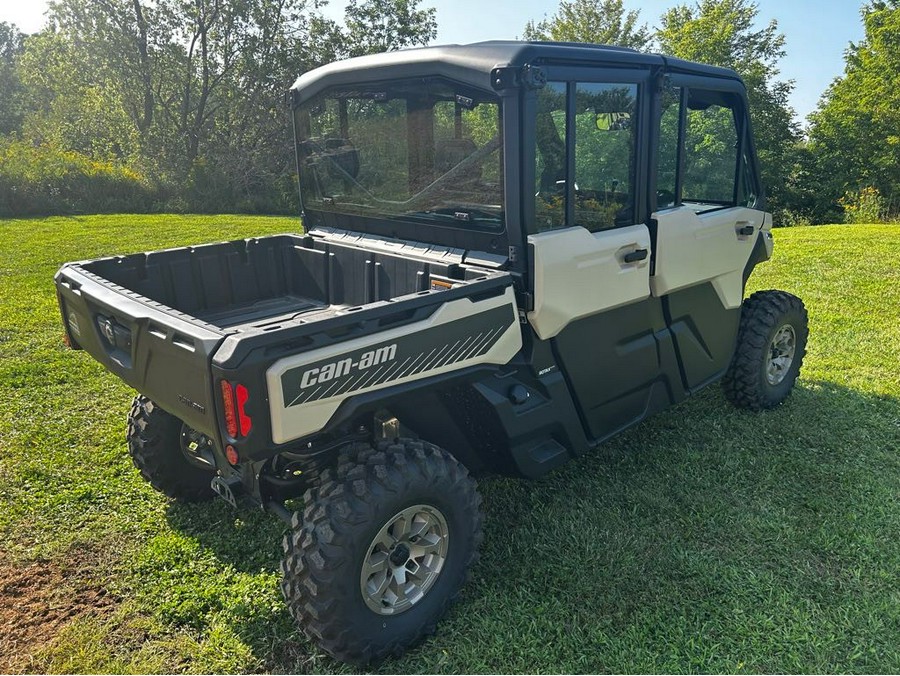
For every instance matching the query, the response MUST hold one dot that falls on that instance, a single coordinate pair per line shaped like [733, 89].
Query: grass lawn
[706, 539]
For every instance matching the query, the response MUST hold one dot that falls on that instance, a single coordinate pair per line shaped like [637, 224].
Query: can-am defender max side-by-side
[511, 252]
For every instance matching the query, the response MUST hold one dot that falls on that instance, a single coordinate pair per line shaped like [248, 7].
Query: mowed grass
[706, 539]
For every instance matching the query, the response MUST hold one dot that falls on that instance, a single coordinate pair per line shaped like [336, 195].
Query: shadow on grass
[706, 538]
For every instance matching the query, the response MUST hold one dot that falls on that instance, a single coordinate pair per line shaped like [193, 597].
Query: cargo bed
[164, 321]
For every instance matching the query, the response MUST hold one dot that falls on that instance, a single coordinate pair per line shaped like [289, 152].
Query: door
[707, 223]
[590, 249]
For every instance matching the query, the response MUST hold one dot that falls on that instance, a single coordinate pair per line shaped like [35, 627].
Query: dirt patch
[39, 598]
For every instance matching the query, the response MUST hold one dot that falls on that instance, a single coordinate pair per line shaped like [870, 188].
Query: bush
[788, 218]
[865, 206]
[44, 180]
[220, 187]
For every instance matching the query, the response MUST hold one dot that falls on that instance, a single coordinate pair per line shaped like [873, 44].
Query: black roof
[472, 64]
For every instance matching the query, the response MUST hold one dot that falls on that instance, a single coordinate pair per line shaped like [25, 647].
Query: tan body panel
[291, 420]
[578, 273]
[693, 248]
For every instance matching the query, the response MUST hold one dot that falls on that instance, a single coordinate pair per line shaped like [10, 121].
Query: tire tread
[760, 315]
[334, 511]
[154, 446]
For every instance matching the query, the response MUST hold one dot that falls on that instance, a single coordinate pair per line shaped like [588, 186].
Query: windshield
[415, 149]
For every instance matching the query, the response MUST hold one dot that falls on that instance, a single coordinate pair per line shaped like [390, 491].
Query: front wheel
[383, 546]
[770, 348]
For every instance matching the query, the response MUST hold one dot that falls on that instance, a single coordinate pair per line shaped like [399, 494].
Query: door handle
[635, 256]
[745, 229]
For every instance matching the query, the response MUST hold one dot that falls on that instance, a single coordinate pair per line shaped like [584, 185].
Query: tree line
[171, 104]
[130, 105]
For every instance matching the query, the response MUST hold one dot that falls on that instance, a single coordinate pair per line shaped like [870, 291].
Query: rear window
[426, 150]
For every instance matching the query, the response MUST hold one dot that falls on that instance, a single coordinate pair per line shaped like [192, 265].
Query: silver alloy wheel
[404, 560]
[780, 355]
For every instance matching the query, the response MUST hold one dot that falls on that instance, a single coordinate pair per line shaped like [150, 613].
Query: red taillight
[234, 402]
[231, 425]
[245, 422]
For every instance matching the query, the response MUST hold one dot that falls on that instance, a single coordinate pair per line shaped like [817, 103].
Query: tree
[11, 47]
[71, 102]
[386, 25]
[722, 33]
[191, 92]
[602, 22]
[114, 45]
[172, 84]
[855, 134]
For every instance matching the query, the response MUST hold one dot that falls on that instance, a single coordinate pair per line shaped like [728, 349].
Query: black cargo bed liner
[259, 313]
[247, 284]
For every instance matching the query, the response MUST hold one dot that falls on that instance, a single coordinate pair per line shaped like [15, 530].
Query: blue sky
[817, 31]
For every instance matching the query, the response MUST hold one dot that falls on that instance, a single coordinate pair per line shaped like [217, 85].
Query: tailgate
[158, 351]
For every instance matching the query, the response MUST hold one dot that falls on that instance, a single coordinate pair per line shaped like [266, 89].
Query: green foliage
[602, 22]
[865, 206]
[855, 134]
[710, 154]
[707, 539]
[386, 25]
[787, 218]
[721, 32]
[11, 90]
[210, 189]
[190, 92]
[806, 200]
[45, 179]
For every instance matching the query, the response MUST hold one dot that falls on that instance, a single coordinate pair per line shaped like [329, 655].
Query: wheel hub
[400, 555]
[780, 355]
[404, 560]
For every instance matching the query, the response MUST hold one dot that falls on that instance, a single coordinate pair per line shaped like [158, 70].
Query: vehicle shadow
[673, 541]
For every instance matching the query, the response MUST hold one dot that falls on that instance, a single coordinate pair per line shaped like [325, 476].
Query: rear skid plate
[227, 490]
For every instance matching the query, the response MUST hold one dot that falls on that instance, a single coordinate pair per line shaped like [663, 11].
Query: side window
[604, 124]
[667, 167]
[550, 158]
[604, 154]
[715, 170]
[710, 150]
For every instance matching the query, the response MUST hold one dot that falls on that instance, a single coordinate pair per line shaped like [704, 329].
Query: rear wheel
[770, 349]
[172, 457]
[381, 549]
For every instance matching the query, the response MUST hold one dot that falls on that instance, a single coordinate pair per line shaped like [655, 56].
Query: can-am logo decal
[343, 367]
[459, 342]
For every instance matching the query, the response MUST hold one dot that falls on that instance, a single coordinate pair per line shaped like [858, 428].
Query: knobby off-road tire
[154, 443]
[770, 348]
[344, 527]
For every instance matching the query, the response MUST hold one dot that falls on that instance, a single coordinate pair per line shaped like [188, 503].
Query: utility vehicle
[510, 252]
